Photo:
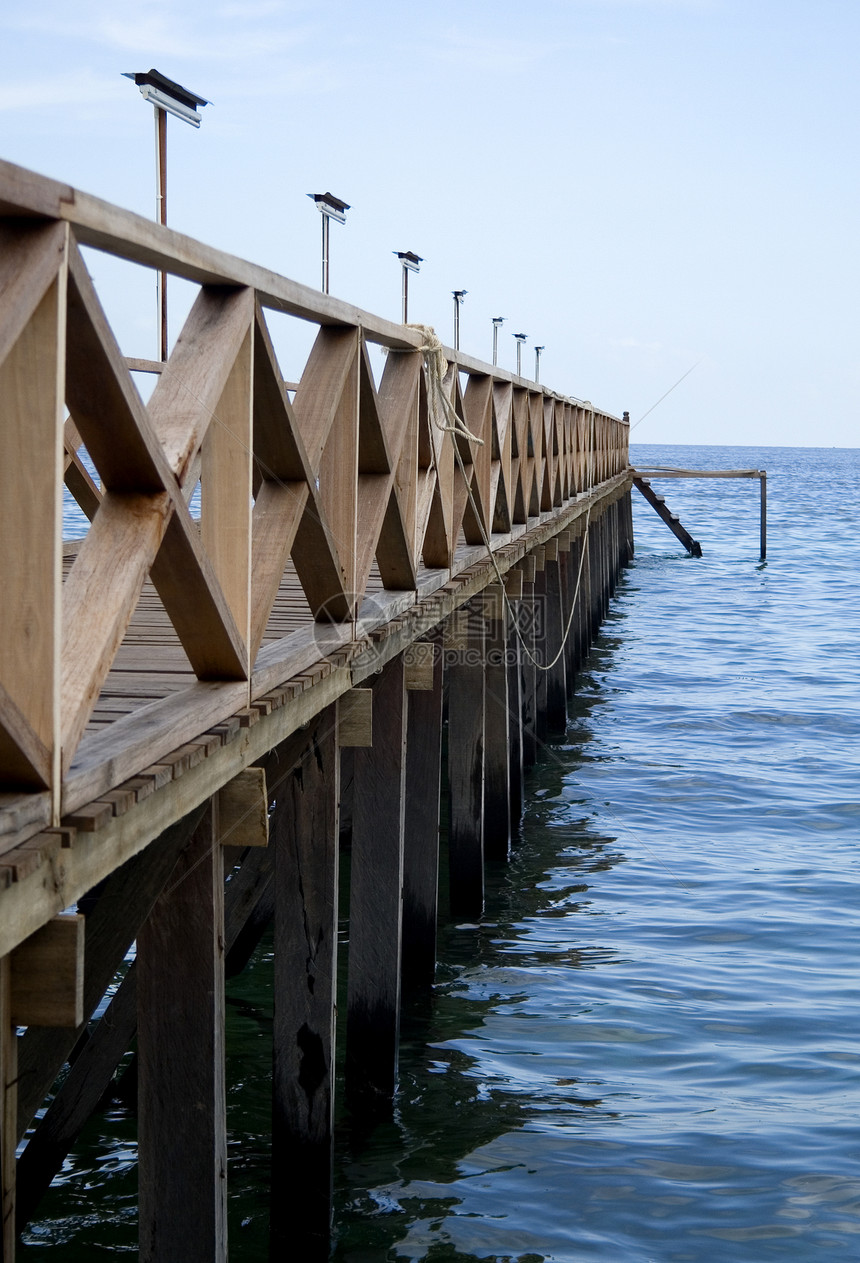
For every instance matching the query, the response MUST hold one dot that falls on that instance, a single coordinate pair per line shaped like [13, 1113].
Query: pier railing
[270, 581]
[318, 499]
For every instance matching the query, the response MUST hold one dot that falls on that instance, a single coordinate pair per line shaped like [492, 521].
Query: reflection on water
[650, 1047]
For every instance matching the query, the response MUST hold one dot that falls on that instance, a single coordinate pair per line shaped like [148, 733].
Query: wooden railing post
[33, 282]
[226, 487]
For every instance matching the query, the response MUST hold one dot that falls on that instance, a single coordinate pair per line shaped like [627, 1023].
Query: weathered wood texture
[304, 775]
[32, 345]
[114, 914]
[310, 506]
[421, 831]
[301, 1204]
[88, 1080]
[528, 611]
[464, 665]
[48, 975]
[541, 653]
[375, 907]
[497, 774]
[554, 621]
[182, 1112]
[243, 810]
[146, 664]
[515, 712]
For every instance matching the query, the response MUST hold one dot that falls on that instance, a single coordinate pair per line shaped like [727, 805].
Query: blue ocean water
[649, 1049]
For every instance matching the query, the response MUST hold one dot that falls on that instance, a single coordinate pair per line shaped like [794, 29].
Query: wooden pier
[182, 691]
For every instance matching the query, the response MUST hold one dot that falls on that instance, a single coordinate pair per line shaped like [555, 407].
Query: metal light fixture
[459, 295]
[410, 263]
[520, 337]
[498, 321]
[538, 350]
[167, 97]
[330, 207]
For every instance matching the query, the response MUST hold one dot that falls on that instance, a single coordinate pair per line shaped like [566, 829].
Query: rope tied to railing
[437, 368]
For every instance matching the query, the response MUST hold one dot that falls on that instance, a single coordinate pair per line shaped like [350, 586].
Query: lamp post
[498, 321]
[459, 295]
[331, 208]
[520, 337]
[167, 97]
[538, 350]
[410, 263]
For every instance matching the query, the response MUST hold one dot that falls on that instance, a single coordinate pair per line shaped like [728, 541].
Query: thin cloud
[635, 344]
[165, 38]
[484, 52]
[691, 6]
[262, 9]
[238, 33]
[49, 91]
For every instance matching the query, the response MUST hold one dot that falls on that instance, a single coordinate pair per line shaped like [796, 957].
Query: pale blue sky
[640, 185]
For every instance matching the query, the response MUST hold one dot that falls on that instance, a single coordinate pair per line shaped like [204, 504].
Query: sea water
[649, 1048]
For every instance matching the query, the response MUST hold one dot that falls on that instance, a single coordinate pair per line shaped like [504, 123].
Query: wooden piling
[584, 615]
[528, 619]
[567, 580]
[248, 909]
[497, 785]
[464, 664]
[541, 652]
[114, 914]
[304, 776]
[575, 600]
[421, 831]
[182, 1119]
[603, 561]
[594, 580]
[556, 682]
[515, 712]
[8, 1113]
[375, 903]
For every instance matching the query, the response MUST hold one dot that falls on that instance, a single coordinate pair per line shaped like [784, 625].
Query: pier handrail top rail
[665, 471]
[126, 234]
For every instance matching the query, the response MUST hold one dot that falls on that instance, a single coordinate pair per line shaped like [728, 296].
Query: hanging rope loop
[437, 367]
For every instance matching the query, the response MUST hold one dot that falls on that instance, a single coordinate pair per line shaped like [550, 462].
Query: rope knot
[431, 349]
[437, 367]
